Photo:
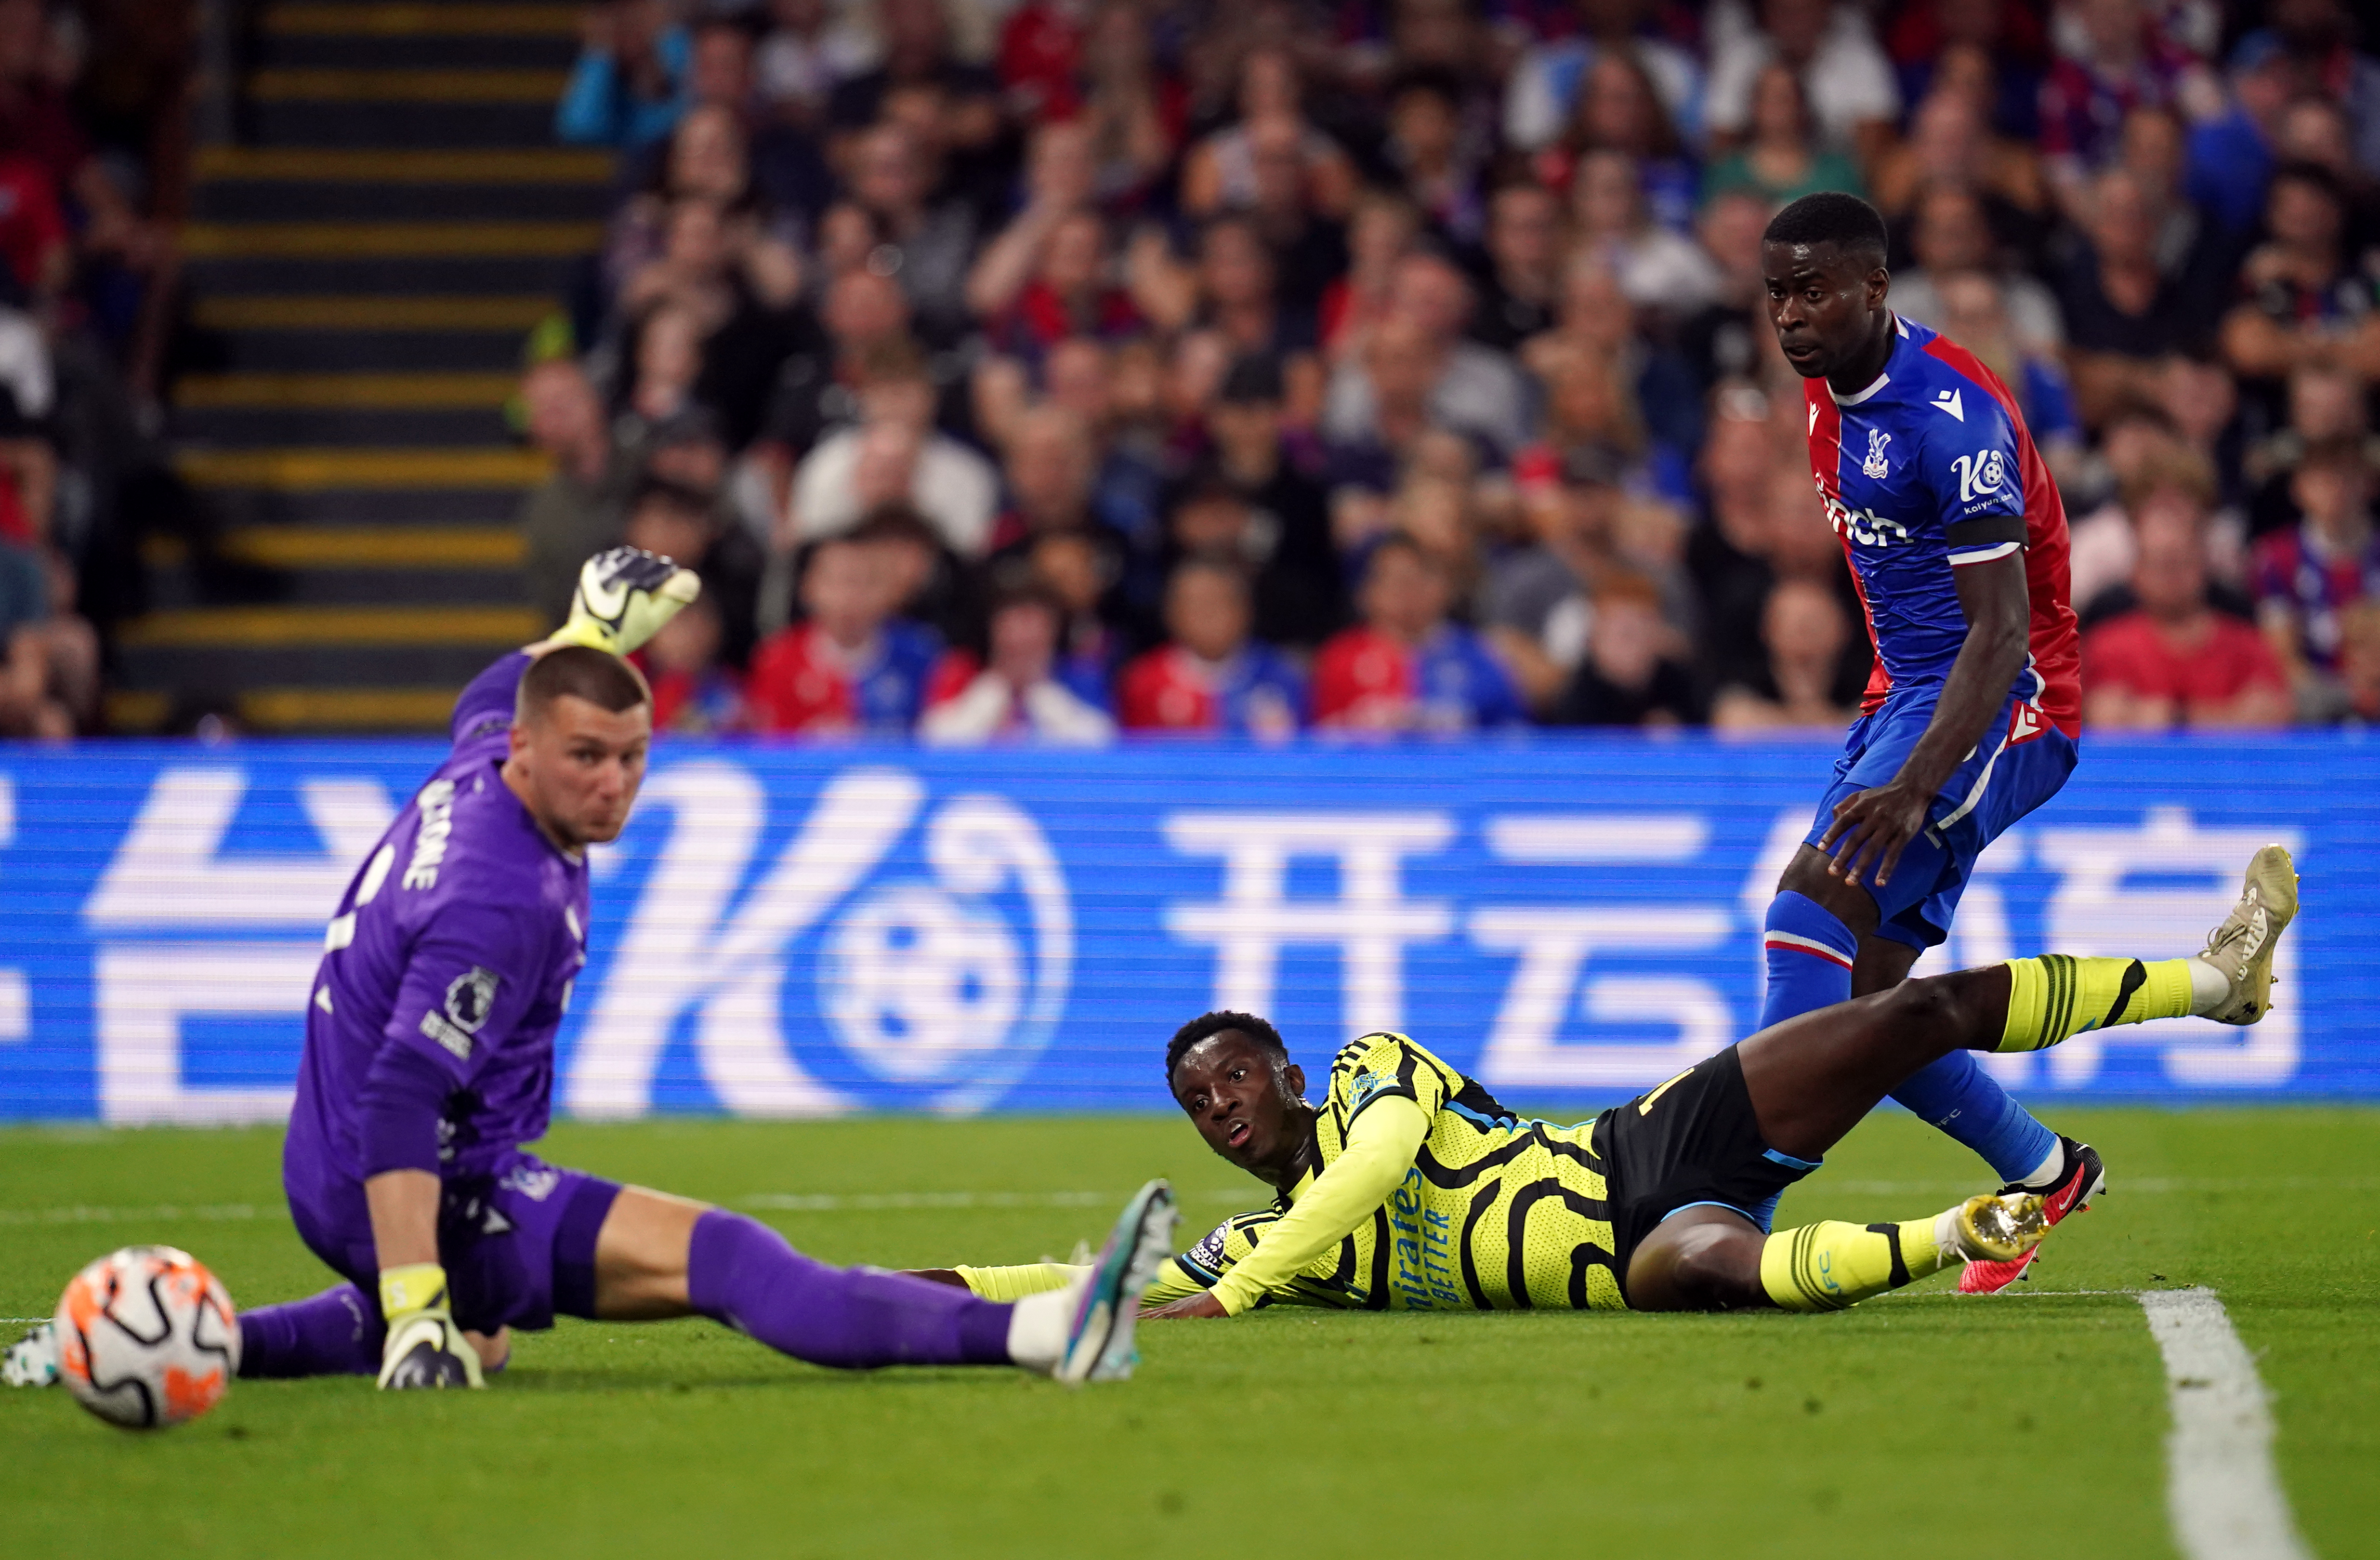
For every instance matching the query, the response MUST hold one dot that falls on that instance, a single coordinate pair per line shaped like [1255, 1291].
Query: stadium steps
[362, 272]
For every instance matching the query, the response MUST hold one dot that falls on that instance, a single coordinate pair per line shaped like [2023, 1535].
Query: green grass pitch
[1918, 1420]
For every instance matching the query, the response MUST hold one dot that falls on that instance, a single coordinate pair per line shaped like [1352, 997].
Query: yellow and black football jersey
[1497, 1212]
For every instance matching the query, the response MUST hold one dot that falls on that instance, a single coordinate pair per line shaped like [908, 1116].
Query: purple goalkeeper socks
[336, 1333]
[740, 1272]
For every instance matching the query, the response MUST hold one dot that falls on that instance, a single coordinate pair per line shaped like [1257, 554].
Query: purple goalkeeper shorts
[518, 1243]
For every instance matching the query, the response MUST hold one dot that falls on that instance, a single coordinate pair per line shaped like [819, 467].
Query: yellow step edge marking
[350, 240]
[392, 312]
[405, 167]
[359, 547]
[421, 22]
[349, 391]
[136, 709]
[349, 709]
[268, 627]
[311, 470]
[281, 84]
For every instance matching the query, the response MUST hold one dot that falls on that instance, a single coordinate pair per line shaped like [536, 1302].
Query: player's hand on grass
[425, 1348]
[1872, 829]
[623, 599]
[1188, 1308]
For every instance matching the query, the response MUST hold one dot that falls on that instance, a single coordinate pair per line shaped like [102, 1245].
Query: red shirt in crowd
[32, 225]
[2131, 653]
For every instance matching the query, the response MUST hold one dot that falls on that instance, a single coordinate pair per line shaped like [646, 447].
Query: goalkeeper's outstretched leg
[1812, 1078]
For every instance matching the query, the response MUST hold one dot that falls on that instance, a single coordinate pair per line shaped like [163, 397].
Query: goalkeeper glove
[424, 1347]
[623, 599]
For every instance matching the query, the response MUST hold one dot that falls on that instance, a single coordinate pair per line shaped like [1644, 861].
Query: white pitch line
[2221, 1491]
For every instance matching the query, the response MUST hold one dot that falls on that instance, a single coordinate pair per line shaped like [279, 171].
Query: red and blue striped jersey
[1926, 469]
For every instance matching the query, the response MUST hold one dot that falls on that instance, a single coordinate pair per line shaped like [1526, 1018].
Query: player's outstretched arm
[1381, 1144]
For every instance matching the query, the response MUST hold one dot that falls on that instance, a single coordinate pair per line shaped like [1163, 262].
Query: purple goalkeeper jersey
[456, 941]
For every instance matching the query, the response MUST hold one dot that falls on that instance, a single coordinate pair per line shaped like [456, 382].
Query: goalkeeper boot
[623, 599]
[2083, 1178]
[1098, 1342]
[32, 1360]
[2241, 948]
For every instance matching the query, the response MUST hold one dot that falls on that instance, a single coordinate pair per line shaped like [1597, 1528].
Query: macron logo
[1948, 401]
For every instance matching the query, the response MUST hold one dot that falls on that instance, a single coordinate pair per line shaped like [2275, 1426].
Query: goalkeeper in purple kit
[429, 1062]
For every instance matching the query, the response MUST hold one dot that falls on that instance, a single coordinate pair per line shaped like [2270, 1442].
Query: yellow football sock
[2057, 995]
[1828, 1265]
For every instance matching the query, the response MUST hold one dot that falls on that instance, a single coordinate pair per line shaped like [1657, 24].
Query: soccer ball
[147, 1337]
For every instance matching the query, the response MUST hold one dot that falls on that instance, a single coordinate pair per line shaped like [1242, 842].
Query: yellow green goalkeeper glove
[424, 1347]
[623, 599]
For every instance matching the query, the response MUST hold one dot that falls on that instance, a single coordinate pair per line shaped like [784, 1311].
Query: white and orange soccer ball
[147, 1337]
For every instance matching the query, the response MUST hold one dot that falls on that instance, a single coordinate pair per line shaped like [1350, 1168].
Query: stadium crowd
[90, 96]
[1401, 365]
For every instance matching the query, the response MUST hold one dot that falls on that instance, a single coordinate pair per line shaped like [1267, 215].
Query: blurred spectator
[1420, 369]
[1521, 285]
[1135, 112]
[1599, 324]
[1950, 143]
[1549, 78]
[627, 87]
[2322, 35]
[1288, 548]
[1779, 159]
[1405, 667]
[1428, 156]
[2128, 314]
[1048, 472]
[1536, 605]
[851, 665]
[805, 56]
[1659, 270]
[917, 56]
[1727, 552]
[694, 691]
[49, 656]
[1729, 336]
[2307, 302]
[2124, 61]
[1080, 569]
[1627, 676]
[1804, 630]
[581, 505]
[1059, 176]
[2231, 155]
[1993, 51]
[857, 466]
[928, 240]
[1220, 174]
[2358, 693]
[2306, 577]
[2317, 130]
[1950, 232]
[1014, 696]
[2174, 661]
[1210, 676]
[2325, 403]
[1844, 75]
[1620, 110]
[1379, 234]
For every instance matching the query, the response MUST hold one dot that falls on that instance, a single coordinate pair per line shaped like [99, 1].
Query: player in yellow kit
[1409, 1188]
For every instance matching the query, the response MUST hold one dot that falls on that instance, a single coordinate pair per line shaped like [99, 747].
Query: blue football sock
[1957, 1095]
[1810, 953]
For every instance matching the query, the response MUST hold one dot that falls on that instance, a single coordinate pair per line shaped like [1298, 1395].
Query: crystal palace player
[1957, 541]
[429, 1060]
[1409, 1188]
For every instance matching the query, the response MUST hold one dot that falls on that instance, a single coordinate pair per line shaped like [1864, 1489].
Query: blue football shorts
[2021, 764]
